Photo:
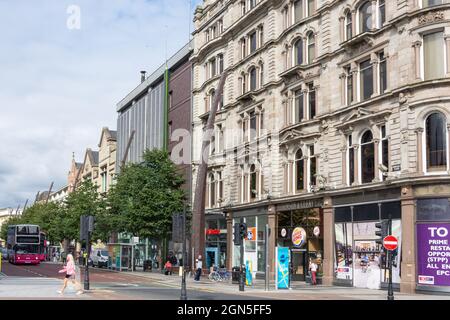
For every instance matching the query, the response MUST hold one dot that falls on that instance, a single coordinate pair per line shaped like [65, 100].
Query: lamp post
[183, 279]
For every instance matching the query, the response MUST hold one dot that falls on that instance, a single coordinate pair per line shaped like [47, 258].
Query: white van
[99, 258]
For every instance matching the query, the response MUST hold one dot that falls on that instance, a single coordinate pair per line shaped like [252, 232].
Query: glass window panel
[351, 164]
[433, 55]
[312, 103]
[253, 42]
[433, 209]
[342, 214]
[348, 25]
[366, 212]
[311, 48]
[299, 52]
[366, 81]
[436, 142]
[311, 6]
[298, 10]
[365, 17]
[394, 208]
[253, 79]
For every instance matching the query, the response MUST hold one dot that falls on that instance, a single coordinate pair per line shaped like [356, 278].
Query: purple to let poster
[433, 254]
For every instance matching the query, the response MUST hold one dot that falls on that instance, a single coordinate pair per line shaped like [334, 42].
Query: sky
[64, 65]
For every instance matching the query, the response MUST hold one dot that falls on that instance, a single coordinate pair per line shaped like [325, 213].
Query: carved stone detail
[431, 17]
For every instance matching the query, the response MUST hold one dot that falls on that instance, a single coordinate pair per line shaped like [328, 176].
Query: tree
[146, 195]
[11, 220]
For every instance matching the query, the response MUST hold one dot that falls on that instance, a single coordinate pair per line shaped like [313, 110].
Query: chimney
[143, 76]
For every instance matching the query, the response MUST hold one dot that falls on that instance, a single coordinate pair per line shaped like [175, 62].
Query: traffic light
[383, 231]
[243, 230]
[237, 236]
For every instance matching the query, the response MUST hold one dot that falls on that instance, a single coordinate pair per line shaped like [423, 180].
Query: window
[348, 25]
[367, 157]
[311, 48]
[298, 52]
[220, 26]
[253, 182]
[212, 191]
[384, 149]
[286, 17]
[207, 35]
[221, 140]
[220, 186]
[244, 83]
[298, 107]
[298, 10]
[351, 160]
[261, 36]
[436, 142]
[365, 17]
[383, 72]
[299, 170]
[244, 131]
[349, 85]
[311, 101]
[253, 42]
[220, 62]
[211, 98]
[252, 79]
[243, 48]
[252, 4]
[252, 126]
[261, 75]
[212, 64]
[433, 52]
[212, 148]
[220, 102]
[311, 7]
[104, 180]
[382, 12]
[243, 8]
[213, 32]
[430, 3]
[366, 79]
[312, 166]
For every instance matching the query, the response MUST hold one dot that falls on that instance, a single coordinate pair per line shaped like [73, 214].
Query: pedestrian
[198, 266]
[54, 257]
[168, 268]
[64, 257]
[313, 268]
[70, 271]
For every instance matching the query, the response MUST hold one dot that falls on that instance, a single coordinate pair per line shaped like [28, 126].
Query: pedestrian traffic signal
[243, 230]
[237, 235]
[383, 231]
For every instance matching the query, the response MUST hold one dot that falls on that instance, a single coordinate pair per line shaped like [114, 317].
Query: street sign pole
[390, 290]
[266, 251]
[86, 259]
[241, 273]
[183, 280]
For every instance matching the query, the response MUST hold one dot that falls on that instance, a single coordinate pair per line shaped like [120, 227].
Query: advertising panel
[283, 268]
[433, 254]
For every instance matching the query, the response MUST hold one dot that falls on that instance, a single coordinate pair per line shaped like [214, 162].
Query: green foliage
[146, 195]
[11, 220]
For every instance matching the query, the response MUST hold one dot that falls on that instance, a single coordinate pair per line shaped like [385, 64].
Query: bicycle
[219, 275]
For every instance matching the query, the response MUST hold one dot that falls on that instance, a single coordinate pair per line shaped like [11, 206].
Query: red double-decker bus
[23, 242]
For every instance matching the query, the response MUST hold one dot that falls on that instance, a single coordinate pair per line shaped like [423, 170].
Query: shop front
[216, 241]
[433, 244]
[359, 261]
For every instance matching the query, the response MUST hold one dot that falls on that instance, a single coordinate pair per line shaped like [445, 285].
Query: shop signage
[298, 237]
[433, 254]
[251, 234]
[316, 231]
[306, 204]
[282, 267]
[212, 231]
[283, 232]
[390, 243]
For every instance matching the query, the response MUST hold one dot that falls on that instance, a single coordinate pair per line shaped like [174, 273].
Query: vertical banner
[433, 254]
[248, 273]
[283, 268]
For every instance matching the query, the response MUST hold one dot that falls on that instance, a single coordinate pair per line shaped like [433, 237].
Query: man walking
[198, 266]
[313, 268]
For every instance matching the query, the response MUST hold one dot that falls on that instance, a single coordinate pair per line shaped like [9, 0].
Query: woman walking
[70, 271]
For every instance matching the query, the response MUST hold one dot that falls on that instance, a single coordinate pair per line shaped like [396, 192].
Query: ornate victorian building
[335, 115]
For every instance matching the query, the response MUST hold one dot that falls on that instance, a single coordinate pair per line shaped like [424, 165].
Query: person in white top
[198, 267]
[313, 268]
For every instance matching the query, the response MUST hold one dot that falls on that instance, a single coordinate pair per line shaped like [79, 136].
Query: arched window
[253, 183]
[367, 157]
[298, 52]
[212, 190]
[252, 78]
[299, 170]
[311, 47]
[436, 142]
[348, 25]
[365, 17]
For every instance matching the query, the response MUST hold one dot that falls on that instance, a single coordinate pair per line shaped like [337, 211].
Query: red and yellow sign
[298, 237]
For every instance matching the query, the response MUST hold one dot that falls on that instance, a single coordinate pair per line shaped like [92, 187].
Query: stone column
[289, 109]
[416, 46]
[355, 150]
[343, 76]
[408, 264]
[354, 71]
[305, 105]
[374, 62]
[328, 242]
[344, 165]
[447, 43]
[376, 160]
[419, 160]
[229, 262]
[272, 238]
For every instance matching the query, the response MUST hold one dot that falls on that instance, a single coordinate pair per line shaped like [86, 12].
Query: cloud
[59, 87]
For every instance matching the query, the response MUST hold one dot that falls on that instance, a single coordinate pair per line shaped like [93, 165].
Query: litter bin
[235, 273]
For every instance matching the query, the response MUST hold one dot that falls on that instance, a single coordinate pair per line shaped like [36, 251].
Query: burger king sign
[298, 237]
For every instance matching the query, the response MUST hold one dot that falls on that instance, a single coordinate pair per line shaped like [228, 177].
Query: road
[107, 284]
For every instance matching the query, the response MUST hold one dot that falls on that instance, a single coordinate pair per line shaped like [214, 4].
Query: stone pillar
[374, 62]
[272, 221]
[447, 43]
[419, 160]
[305, 105]
[376, 143]
[408, 264]
[229, 262]
[355, 150]
[354, 71]
[416, 47]
[328, 242]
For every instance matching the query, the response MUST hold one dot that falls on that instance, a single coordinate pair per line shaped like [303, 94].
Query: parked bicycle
[219, 275]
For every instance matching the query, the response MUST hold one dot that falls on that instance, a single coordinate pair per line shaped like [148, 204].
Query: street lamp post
[389, 254]
[183, 279]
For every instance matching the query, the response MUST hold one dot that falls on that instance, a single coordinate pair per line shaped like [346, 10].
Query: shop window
[436, 142]
[342, 214]
[299, 170]
[393, 209]
[437, 209]
[367, 212]
[367, 158]
[298, 52]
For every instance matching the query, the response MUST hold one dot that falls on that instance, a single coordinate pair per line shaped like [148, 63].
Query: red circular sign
[390, 243]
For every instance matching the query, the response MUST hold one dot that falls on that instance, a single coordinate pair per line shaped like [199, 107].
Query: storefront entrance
[212, 257]
[299, 264]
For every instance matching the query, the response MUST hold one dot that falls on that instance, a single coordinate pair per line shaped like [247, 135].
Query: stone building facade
[335, 115]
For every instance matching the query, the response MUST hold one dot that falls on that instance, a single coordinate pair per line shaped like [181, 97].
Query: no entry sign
[390, 243]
